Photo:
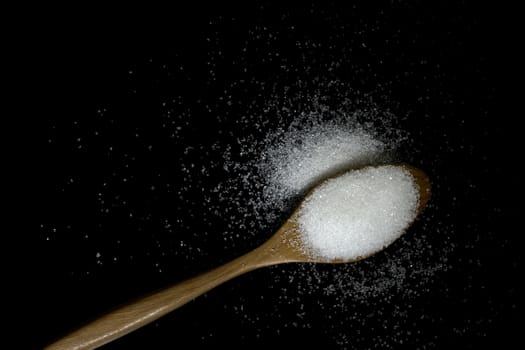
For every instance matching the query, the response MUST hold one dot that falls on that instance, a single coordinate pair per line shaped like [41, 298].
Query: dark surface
[441, 68]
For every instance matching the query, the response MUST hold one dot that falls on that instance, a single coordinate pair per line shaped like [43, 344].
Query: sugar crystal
[358, 213]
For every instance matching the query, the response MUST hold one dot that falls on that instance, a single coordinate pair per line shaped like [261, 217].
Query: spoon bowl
[284, 246]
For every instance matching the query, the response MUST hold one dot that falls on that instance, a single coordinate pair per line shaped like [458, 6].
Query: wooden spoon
[283, 247]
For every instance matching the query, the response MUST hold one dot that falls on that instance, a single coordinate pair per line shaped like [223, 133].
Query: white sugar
[311, 150]
[358, 213]
[321, 152]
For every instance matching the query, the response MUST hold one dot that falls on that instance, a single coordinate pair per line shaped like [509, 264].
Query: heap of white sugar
[325, 152]
[358, 213]
[303, 155]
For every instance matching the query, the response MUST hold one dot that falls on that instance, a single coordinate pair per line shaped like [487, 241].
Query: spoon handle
[130, 317]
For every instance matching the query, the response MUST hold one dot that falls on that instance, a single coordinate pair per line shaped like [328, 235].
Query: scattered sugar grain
[358, 213]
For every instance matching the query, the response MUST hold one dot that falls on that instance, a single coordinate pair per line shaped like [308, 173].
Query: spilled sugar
[304, 159]
[358, 213]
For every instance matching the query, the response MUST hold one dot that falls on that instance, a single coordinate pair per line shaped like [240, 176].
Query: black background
[444, 67]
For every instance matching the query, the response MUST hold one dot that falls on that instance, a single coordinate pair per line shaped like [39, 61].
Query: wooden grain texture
[283, 247]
